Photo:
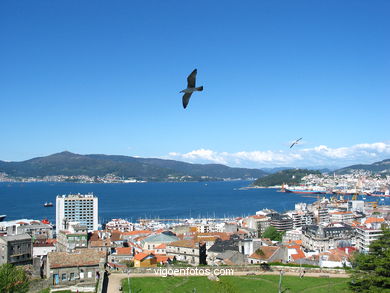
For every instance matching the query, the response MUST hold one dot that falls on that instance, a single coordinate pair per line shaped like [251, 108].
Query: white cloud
[317, 156]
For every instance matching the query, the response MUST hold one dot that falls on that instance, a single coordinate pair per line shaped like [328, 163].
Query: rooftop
[267, 252]
[82, 257]
[142, 255]
[77, 196]
[184, 243]
[124, 250]
[16, 237]
[159, 238]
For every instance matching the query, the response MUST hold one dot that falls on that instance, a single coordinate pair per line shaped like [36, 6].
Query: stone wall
[38, 285]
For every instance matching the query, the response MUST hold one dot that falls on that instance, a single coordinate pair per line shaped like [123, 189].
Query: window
[63, 277]
[72, 276]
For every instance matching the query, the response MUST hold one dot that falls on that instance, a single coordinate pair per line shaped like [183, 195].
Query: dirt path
[114, 282]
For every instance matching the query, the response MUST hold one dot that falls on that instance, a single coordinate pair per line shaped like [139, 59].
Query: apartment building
[80, 208]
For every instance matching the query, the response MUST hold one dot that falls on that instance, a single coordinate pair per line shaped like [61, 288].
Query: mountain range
[70, 164]
[381, 167]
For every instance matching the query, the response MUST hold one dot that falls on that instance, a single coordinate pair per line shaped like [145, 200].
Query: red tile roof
[140, 256]
[370, 220]
[100, 243]
[137, 232]
[124, 250]
[222, 235]
[300, 254]
[341, 213]
[347, 250]
[82, 257]
[184, 243]
[335, 254]
[294, 242]
[116, 236]
[162, 258]
[268, 251]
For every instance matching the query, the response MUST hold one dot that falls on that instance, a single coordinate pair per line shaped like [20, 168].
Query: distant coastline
[113, 181]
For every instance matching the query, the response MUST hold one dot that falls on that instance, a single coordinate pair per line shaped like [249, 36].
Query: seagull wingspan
[191, 79]
[295, 142]
[186, 99]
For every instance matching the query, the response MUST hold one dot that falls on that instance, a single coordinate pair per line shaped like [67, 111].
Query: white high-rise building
[81, 208]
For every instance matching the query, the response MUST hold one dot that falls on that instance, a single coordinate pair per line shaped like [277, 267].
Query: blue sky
[105, 76]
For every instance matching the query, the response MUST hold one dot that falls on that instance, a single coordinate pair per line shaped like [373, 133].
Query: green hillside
[382, 167]
[70, 164]
[290, 177]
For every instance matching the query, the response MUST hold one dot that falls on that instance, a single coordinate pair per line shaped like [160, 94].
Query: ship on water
[385, 193]
[2, 217]
[48, 204]
[304, 189]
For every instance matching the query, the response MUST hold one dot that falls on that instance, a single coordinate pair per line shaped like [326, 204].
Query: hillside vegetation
[290, 177]
[70, 164]
[382, 167]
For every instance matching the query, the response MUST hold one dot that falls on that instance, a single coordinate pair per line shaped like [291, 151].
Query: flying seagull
[295, 142]
[191, 79]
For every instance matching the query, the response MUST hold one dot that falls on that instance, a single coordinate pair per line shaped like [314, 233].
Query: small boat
[48, 204]
[2, 217]
[45, 221]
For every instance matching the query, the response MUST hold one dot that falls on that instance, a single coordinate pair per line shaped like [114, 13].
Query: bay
[150, 200]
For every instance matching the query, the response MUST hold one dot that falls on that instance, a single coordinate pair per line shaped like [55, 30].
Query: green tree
[371, 271]
[13, 279]
[272, 234]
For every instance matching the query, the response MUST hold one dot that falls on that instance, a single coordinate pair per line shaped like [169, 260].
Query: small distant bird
[295, 142]
[191, 80]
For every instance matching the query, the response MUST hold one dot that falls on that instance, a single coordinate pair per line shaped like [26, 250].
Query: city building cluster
[357, 182]
[78, 249]
[108, 178]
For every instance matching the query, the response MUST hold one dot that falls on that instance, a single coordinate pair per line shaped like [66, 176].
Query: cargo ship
[305, 191]
[379, 193]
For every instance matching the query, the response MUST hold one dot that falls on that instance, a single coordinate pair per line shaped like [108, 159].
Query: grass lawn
[230, 284]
